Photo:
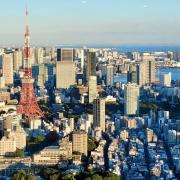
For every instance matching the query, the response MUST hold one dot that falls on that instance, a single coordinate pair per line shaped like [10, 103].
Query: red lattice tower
[28, 104]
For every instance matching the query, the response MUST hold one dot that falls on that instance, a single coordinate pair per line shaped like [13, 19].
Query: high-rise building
[145, 71]
[43, 74]
[82, 60]
[91, 65]
[99, 114]
[132, 74]
[131, 99]
[17, 59]
[109, 75]
[38, 55]
[92, 88]
[79, 142]
[165, 79]
[149, 63]
[65, 54]
[65, 74]
[140, 74]
[7, 69]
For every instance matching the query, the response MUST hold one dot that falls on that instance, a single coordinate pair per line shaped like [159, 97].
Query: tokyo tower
[28, 105]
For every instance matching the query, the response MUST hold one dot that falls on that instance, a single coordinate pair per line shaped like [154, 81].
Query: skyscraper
[132, 74]
[65, 54]
[82, 60]
[145, 71]
[91, 65]
[131, 99]
[140, 74]
[17, 59]
[38, 55]
[65, 68]
[99, 113]
[65, 74]
[92, 88]
[149, 63]
[109, 75]
[79, 142]
[7, 69]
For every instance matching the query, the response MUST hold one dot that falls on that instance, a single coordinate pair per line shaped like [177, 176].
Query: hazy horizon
[87, 22]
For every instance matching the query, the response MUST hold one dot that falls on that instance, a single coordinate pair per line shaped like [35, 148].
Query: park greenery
[92, 144]
[22, 175]
[35, 144]
[18, 153]
[54, 174]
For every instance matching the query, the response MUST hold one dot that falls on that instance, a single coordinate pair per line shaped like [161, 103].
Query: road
[106, 147]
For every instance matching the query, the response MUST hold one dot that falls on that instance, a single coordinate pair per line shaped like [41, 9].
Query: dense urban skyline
[92, 22]
[75, 105]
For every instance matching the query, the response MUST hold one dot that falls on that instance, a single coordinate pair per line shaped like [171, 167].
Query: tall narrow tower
[28, 105]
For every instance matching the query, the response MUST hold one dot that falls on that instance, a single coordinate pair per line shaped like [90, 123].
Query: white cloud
[145, 6]
[83, 2]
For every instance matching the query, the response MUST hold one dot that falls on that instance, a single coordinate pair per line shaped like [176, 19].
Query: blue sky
[111, 22]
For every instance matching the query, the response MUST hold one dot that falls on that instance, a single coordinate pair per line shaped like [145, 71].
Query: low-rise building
[52, 155]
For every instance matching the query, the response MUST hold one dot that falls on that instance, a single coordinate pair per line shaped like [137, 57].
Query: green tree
[111, 176]
[92, 144]
[54, 176]
[96, 177]
[21, 175]
[30, 177]
[39, 139]
[88, 178]
[49, 173]
[19, 153]
[68, 177]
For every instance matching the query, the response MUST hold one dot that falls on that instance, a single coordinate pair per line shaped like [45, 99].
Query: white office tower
[140, 74]
[17, 59]
[131, 99]
[2, 82]
[38, 55]
[7, 69]
[99, 114]
[82, 60]
[165, 79]
[92, 88]
[65, 74]
[109, 75]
